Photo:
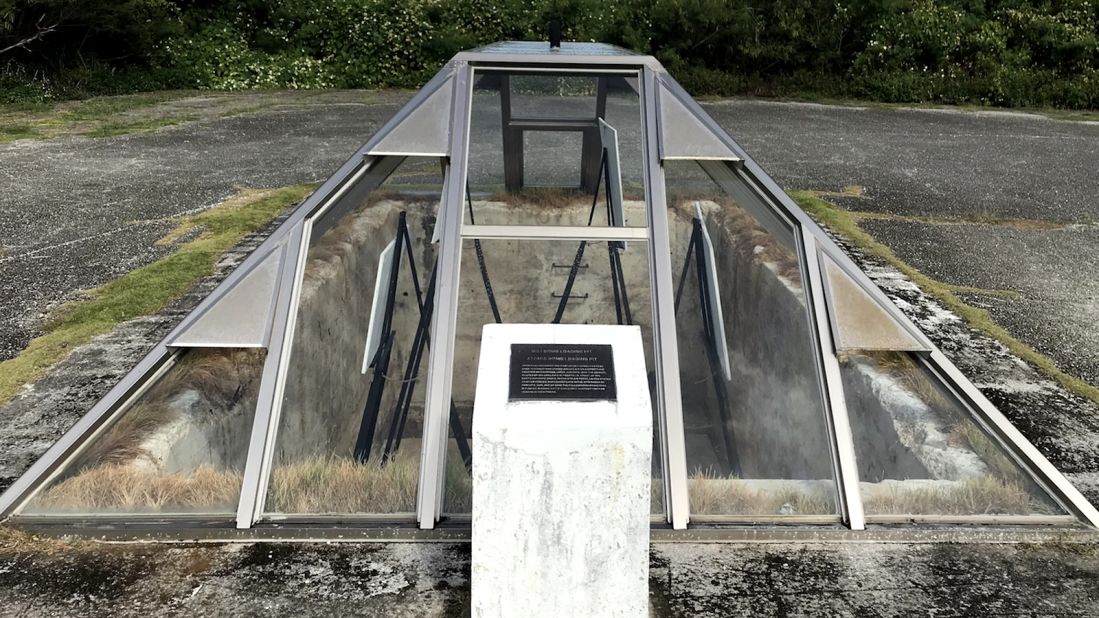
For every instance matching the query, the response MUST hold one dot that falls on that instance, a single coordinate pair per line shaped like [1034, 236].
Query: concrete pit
[775, 432]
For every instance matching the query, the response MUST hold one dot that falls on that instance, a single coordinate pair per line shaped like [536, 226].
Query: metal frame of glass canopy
[436, 123]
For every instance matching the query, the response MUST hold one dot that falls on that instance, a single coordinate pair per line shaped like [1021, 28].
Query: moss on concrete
[149, 288]
[98, 117]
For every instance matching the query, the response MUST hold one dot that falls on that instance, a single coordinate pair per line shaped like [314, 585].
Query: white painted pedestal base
[561, 490]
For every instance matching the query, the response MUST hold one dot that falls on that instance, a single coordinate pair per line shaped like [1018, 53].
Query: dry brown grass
[224, 378]
[751, 241]
[338, 241]
[712, 494]
[980, 496]
[901, 367]
[992, 454]
[963, 430]
[396, 195]
[113, 487]
[122, 443]
[542, 197]
[107, 475]
[342, 485]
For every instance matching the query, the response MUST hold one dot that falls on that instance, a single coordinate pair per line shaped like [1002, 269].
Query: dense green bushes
[997, 52]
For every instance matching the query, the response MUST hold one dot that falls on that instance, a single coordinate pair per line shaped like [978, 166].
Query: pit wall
[774, 393]
[180, 448]
[776, 409]
[325, 389]
[775, 402]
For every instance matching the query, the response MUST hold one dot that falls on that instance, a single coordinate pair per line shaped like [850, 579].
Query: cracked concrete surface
[432, 579]
[77, 212]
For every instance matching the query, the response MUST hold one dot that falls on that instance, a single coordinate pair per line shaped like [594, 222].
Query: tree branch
[34, 37]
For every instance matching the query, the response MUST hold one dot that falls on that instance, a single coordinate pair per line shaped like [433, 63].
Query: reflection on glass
[349, 440]
[528, 280]
[179, 448]
[756, 437]
[536, 149]
[919, 451]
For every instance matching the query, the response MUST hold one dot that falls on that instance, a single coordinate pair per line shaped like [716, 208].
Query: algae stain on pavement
[846, 223]
[97, 117]
[148, 289]
[146, 112]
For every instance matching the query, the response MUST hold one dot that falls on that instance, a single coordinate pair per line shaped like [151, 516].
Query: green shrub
[986, 52]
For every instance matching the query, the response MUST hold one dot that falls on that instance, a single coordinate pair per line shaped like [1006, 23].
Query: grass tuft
[110, 129]
[97, 117]
[983, 495]
[845, 223]
[134, 489]
[713, 494]
[327, 484]
[148, 289]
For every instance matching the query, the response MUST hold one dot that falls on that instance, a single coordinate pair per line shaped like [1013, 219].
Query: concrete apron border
[375, 533]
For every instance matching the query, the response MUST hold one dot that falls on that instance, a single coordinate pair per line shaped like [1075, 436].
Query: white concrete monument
[562, 447]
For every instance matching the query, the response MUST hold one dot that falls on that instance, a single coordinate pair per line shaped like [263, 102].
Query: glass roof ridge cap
[549, 57]
[515, 46]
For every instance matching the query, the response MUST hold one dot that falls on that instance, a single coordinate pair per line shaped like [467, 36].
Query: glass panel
[572, 96]
[178, 448]
[859, 322]
[756, 435]
[546, 168]
[527, 280]
[344, 443]
[920, 452]
[536, 146]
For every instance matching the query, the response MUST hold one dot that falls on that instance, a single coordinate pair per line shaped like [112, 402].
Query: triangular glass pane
[425, 131]
[920, 452]
[241, 317]
[859, 322]
[177, 448]
[684, 136]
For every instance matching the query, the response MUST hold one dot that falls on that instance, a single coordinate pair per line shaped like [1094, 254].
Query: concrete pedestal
[561, 489]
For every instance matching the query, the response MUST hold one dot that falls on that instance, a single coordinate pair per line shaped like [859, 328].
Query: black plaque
[561, 372]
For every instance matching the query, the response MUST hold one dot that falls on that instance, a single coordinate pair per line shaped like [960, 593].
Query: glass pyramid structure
[329, 379]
